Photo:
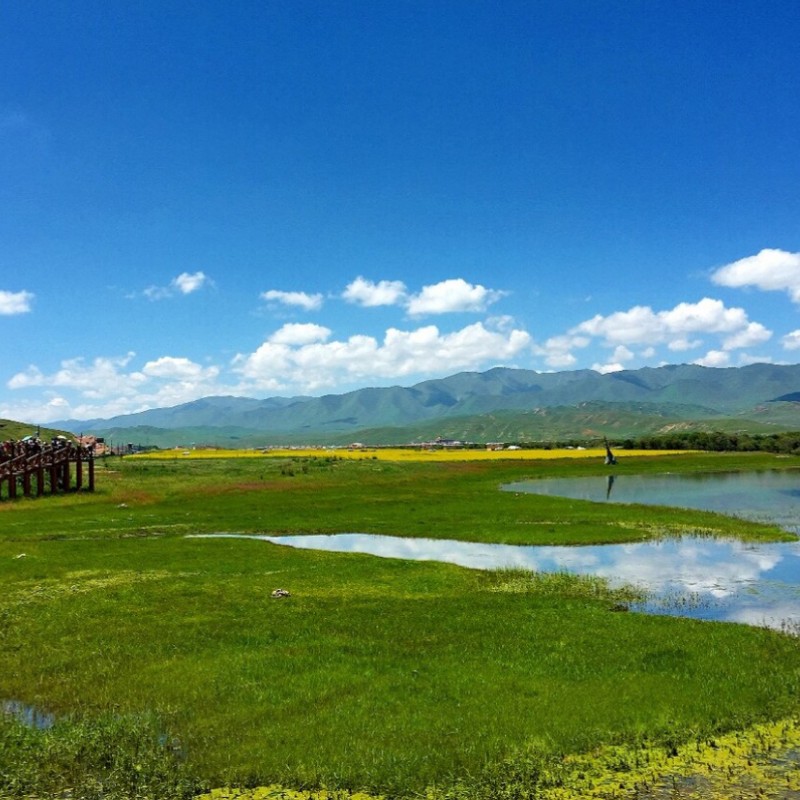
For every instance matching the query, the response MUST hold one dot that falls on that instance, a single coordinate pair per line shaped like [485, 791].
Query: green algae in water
[760, 762]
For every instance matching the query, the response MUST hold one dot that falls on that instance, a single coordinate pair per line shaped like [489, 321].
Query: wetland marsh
[384, 675]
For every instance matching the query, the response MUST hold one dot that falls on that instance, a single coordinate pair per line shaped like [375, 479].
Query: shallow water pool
[770, 496]
[703, 578]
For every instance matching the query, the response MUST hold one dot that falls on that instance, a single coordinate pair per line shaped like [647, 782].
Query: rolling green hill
[9, 429]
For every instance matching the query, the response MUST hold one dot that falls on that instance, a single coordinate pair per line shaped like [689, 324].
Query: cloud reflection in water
[730, 580]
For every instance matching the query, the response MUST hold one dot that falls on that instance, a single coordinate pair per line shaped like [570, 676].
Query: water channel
[693, 576]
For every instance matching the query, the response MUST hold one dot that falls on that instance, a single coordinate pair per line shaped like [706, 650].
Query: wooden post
[91, 473]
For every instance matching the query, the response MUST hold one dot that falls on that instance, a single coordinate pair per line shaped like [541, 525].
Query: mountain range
[499, 404]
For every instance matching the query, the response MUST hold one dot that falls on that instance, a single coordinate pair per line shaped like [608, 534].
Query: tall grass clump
[110, 757]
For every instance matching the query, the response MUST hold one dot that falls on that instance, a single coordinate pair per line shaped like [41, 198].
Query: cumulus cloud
[621, 353]
[15, 302]
[681, 344]
[769, 270]
[753, 333]
[452, 295]
[295, 333]
[185, 283]
[179, 369]
[35, 411]
[425, 350]
[364, 292]
[641, 325]
[107, 386]
[641, 330]
[714, 358]
[791, 341]
[308, 302]
[557, 350]
[605, 369]
[75, 373]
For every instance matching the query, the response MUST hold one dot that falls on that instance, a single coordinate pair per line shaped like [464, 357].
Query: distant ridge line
[687, 390]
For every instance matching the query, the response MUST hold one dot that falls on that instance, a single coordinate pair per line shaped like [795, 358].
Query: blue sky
[284, 198]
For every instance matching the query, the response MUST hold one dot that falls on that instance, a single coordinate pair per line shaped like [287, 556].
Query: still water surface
[698, 577]
[771, 496]
[704, 578]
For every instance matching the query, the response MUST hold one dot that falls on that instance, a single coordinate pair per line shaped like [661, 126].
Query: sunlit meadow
[170, 668]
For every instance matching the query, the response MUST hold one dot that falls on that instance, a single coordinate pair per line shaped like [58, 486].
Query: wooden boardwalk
[34, 468]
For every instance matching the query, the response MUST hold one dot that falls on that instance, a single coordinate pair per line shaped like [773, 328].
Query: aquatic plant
[762, 761]
[111, 756]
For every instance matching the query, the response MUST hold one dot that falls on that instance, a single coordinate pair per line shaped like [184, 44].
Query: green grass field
[169, 667]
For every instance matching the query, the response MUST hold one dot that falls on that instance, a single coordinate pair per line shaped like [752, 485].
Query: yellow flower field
[403, 453]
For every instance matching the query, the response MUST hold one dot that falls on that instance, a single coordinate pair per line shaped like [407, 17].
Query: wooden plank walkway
[34, 468]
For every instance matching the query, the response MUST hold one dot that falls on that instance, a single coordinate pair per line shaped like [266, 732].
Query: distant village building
[97, 444]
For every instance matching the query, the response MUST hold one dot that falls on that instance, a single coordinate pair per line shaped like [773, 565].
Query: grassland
[381, 675]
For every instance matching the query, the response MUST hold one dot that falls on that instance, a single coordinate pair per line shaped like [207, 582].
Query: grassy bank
[306, 494]
[373, 674]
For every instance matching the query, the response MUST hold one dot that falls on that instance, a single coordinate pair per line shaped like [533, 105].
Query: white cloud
[616, 364]
[107, 386]
[641, 325]
[749, 358]
[754, 333]
[681, 344]
[15, 302]
[32, 376]
[708, 316]
[621, 353]
[604, 369]
[422, 351]
[185, 283]
[641, 330]
[557, 350]
[178, 369]
[768, 270]
[714, 358]
[791, 341]
[295, 333]
[75, 373]
[36, 411]
[366, 293]
[451, 296]
[308, 302]
[157, 292]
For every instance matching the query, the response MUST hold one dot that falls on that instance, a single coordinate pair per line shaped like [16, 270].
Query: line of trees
[719, 441]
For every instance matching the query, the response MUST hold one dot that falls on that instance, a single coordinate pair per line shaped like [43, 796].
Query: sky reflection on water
[771, 496]
[698, 577]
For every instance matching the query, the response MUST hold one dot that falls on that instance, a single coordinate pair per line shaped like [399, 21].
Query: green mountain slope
[690, 391]
[583, 422]
[10, 429]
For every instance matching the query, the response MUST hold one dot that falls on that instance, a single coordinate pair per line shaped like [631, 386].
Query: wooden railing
[36, 468]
